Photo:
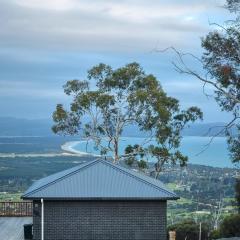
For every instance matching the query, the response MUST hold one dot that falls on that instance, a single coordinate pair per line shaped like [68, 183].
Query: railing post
[172, 235]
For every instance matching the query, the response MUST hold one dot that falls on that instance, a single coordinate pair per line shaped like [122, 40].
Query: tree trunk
[159, 167]
[157, 174]
[116, 156]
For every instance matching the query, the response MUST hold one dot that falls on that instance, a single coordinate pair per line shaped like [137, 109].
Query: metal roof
[99, 179]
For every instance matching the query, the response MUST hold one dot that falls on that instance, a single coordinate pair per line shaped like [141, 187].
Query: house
[99, 200]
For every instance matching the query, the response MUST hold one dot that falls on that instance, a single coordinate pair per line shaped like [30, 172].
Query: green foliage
[215, 234]
[189, 230]
[237, 193]
[129, 150]
[122, 97]
[129, 161]
[230, 227]
[142, 164]
[221, 62]
[233, 5]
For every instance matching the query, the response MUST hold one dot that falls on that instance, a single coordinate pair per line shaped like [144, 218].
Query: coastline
[220, 160]
[67, 150]
[68, 147]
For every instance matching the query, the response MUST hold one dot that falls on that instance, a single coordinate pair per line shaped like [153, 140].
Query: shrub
[142, 164]
[237, 193]
[129, 161]
[230, 227]
[215, 234]
[189, 230]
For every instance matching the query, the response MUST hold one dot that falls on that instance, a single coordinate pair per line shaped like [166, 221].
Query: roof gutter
[104, 198]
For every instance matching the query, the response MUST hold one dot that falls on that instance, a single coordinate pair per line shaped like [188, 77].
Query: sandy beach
[69, 148]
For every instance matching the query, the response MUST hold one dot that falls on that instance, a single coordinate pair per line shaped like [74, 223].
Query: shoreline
[68, 147]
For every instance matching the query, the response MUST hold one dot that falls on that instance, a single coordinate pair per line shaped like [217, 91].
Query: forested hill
[42, 127]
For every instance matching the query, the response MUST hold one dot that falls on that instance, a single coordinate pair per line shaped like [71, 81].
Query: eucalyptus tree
[110, 99]
[220, 63]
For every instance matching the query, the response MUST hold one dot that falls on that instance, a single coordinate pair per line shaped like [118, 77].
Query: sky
[45, 43]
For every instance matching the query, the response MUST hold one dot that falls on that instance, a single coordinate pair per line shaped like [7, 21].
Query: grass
[14, 197]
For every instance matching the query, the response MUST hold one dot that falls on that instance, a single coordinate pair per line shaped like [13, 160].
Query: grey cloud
[108, 28]
[42, 47]
[29, 90]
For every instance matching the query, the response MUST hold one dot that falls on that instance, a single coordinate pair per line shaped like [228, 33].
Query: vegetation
[220, 62]
[207, 194]
[189, 230]
[228, 228]
[11, 197]
[111, 100]
[237, 193]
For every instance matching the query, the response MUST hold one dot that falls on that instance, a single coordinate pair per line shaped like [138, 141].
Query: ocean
[216, 154]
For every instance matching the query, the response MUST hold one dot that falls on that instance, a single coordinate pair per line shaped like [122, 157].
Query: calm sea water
[215, 155]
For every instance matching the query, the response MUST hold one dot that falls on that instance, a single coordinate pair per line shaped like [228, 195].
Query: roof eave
[102, 198]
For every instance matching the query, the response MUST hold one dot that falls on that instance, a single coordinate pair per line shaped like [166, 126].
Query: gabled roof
[99, 179]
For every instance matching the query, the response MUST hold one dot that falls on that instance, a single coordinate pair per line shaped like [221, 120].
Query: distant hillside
[42, 127]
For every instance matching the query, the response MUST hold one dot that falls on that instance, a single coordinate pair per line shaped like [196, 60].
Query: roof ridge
[129, 173]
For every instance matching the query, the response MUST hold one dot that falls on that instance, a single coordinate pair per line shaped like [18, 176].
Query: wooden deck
[11, 228]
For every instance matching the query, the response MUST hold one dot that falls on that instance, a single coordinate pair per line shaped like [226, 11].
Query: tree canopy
[111, 99]
[220, 63]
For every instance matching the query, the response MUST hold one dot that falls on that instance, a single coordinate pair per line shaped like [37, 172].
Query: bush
[129, 161]
[142, 164]
[230, 227]
[215, 234]
[189, 230]
[237, 193]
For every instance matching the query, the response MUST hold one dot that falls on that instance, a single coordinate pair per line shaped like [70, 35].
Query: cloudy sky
[44, 43]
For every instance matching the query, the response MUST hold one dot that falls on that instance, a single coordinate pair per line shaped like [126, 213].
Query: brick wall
[101, 220]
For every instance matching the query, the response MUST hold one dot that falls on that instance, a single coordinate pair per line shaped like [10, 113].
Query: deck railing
[15, 209]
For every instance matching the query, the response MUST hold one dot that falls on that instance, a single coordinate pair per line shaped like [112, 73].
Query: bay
[195, 147]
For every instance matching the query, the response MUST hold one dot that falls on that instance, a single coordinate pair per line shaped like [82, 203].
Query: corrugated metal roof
[98, 179]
